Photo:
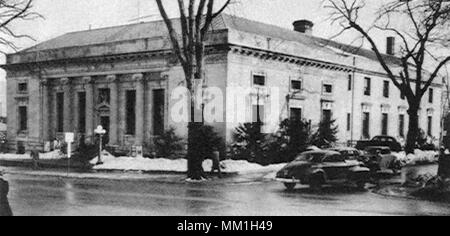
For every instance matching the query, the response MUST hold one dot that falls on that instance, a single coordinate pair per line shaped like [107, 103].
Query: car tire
[316, 182]
[290, 186]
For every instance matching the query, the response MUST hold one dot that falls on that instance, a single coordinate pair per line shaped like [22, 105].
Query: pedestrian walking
[215, 156]
[35, 157]
[5, 209]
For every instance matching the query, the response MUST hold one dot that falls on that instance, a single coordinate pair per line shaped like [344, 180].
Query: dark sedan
[317, 168]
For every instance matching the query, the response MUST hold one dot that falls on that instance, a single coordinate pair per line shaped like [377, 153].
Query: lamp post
[100, 131]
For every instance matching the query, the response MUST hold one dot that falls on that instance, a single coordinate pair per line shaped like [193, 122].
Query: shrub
[249, 143]
[423, 143]
[326, 134]
[168, 144]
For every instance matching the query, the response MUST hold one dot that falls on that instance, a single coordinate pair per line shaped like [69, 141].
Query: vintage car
[348, 152]
[380, 159]
[380, 141]
[318, 168]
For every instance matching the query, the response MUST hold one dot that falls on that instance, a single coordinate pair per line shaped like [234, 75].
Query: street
[51, 196]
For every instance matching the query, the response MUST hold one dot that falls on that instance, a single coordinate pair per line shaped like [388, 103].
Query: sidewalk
[47, 164]
[172, 178]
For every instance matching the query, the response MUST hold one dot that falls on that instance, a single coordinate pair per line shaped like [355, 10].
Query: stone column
[114, 110]
[139, 78]
[67, 105]
[89, 87]
[46, 114]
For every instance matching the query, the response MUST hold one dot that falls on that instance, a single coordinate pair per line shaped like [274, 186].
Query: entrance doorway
[105, 122]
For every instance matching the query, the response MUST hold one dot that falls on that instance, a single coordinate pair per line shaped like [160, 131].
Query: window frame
[364, 134]
[296, 81]
[431, 95]
[263, 75]
[384, 124]
[295, 108]
[22, 121]
[22, 91]
[325, 85]
[130, 127]
[367, 86]
[386, 88]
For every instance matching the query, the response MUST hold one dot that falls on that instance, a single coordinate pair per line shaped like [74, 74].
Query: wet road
[30, 195]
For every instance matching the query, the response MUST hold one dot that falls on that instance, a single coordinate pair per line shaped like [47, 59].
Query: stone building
[122, 78]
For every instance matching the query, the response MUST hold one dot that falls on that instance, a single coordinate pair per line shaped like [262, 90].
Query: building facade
[124, 78]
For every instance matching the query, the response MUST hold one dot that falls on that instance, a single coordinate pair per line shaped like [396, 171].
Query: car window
[311, 157]
[334, 158]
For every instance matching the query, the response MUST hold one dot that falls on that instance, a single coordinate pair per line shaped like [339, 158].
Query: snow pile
[54, 155]
[179, 165]
[419, 156]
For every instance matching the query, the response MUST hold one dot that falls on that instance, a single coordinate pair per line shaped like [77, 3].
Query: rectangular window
[158, 111]
[350, 82]
[22, 87]
[366, 125]
[258, 113]
[60, 112]
[431, 95]
[367, 86]
[296, 113]
[349, 122]
[104, 96]
[131, 112]
[23, 118]
[327, 89]
[326, 115]
[296, 85]
[82, 112]
[259, 80]
[386, 89]
[384, 124]
[401, 126]
[430, 126]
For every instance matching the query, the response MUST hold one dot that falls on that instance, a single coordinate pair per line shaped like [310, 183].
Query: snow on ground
[21, 157]
[418, 156]
[179, 165]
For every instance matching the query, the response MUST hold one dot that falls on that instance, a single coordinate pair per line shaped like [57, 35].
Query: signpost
[69, 138]
[100, 131]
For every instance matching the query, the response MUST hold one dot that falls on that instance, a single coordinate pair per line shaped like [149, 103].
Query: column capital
[112, 78]
[44, 82]
[138, 77]
[87, 79]
[64, 81]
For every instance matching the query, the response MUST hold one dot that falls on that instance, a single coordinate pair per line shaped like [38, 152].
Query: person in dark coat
[5, 209]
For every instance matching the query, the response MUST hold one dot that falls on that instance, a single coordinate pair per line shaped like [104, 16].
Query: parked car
[380, 141]
[380, 159]
[348, 152]
[317, 168]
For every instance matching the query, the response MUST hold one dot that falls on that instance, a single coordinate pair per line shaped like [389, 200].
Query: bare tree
[196, 17]
[424, 26]
[12, 11]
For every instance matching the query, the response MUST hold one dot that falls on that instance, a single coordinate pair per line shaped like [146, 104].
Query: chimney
[304, 26]
[390, 46]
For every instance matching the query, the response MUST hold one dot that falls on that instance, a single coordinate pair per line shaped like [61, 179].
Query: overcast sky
[62, 16]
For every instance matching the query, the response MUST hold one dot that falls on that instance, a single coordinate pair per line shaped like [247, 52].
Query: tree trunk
[194, 155]
[413, 129]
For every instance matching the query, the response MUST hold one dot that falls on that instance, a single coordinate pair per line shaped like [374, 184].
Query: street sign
[69, 137]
